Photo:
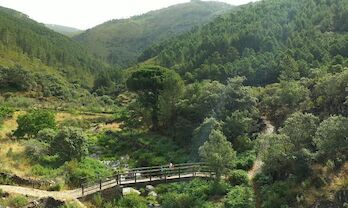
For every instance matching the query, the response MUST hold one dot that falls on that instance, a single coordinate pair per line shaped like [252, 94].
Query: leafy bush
[145, 149]
[46, 135]
[5, 113]
[245, 160]
[240, 197]
[331, 139]
[87, 170]
[20, 102]
[16, 79]
[70, 143]
[279, 194]
[191, 194]
[218, 189]
[36, 149]
[97, 200]
[17, 201]
[132, 201]
[44, 171]
[56, 187]
[175, 200]
[238, 177]
[36, 120]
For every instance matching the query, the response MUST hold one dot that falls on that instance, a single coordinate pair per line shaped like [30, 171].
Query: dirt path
[59, 195]
[258, 163]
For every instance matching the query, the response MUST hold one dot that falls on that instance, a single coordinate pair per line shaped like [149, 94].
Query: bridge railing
[149, 174]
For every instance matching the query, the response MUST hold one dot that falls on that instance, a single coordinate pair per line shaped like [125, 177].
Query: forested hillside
[68, 31]
[36, 48]
[258, 97]
[120, 42]
[266, 42]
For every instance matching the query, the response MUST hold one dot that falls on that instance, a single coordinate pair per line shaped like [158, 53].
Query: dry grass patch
[13, 158]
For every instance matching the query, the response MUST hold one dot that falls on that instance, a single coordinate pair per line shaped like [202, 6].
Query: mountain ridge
[65, 30]
[120, 41]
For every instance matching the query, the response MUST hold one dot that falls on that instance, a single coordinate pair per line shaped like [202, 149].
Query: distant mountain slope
[28, 43]
[68, 31]
[265, 41]
[120, 41]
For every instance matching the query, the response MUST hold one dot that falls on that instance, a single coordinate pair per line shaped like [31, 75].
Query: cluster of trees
[323, 94]
[68, 143]
[290, 155]
[18, 79]
[177, 110]
[265, 42]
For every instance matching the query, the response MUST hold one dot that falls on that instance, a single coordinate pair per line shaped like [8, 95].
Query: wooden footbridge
[147, 175]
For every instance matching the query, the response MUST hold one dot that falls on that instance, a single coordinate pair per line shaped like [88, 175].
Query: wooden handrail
[154, 173]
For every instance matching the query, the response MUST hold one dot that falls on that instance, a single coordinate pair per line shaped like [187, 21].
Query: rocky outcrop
[128, 190]
[15, 179]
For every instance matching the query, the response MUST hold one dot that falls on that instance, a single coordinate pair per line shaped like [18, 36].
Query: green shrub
[56, 187]
[70, 143]
[46, 172]
[87, 170]
[238, 177]
[175, 200]
[245, 160]
[97, 200]
[20, 102]
[240, 197]
[279, 194]
[132, 201]
[218, 189]
[35, 149]
[17, 201]
[36, 120]
[5, 113]
[46, 135]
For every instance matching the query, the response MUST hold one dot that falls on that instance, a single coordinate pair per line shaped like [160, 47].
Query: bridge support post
[179, 172]
[117, 179]
[165, 176]
[100, 184]
[82, 189]
[135, 177]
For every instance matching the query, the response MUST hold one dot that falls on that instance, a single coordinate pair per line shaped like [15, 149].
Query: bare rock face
[46, 203]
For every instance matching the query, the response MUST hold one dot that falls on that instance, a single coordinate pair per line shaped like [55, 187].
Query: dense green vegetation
[120, 42]
[259, 94]
[265, 42]
[37, 48]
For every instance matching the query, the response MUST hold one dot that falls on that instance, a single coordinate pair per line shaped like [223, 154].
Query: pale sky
[84, 14]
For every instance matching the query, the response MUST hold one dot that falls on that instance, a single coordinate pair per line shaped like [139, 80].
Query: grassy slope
[121, 41]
